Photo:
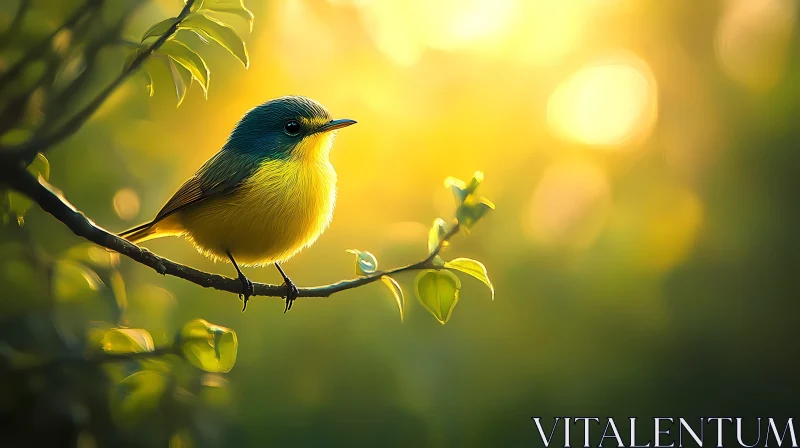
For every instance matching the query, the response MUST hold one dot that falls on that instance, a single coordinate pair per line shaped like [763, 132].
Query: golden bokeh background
[641, 154]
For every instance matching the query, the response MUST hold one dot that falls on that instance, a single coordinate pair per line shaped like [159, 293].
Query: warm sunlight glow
[452, 24]
[404, 29]
[753, 40]
[546, 31]
[570, 204]
[603, 104]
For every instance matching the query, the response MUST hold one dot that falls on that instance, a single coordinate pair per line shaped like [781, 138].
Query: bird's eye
[292, 128]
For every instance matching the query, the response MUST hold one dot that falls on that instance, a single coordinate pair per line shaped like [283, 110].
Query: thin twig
[53, 202]
[28, 150]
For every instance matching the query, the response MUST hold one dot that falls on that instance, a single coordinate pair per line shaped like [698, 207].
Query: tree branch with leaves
[65, 60]
[437, 291]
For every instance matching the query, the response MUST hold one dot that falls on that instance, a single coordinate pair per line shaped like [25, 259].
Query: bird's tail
[140, 234]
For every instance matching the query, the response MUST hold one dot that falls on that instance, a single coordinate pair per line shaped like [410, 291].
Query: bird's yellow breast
[282, 208]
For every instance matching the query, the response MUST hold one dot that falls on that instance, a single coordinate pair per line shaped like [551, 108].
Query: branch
[53, 202]
[28, 150]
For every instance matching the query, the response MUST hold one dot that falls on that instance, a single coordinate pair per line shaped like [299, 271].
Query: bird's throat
[315, 147]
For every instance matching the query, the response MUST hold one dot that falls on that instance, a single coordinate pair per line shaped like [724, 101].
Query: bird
[268, 193]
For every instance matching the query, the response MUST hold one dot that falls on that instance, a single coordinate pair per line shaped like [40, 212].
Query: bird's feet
[291, 293]
[248, 290]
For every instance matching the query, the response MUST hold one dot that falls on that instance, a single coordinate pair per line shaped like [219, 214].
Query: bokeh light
[604, 103]
[126, 203]
[753, 40]
[570, 204]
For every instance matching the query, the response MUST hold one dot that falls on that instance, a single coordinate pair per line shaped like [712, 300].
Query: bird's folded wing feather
[222, 174]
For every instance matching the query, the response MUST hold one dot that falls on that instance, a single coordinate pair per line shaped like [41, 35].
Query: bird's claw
[291, 294]
[248, 288]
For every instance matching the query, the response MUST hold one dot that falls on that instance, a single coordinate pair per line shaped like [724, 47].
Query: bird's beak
[335, 124]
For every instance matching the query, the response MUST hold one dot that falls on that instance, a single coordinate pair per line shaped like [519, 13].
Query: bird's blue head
[284, 128]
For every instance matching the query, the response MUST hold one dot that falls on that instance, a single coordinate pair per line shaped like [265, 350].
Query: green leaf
[472, 210]
[146, 67]
[215, 391]
[18, 203]
[471, 267]
[16, 137]
[223, 34]
[40, 166]
[127, 340]
[182, 78]
[73, 281]
[190, 60]
[397, 292]
[437, 291]
[436, 234]
[457, 187]
[231, 7]
[94, 255]
[477, 180]
[209, 347]
[195, 6]
[150, 89]
[159, 28]
[366, 263]
[118, 289]
[137, 396]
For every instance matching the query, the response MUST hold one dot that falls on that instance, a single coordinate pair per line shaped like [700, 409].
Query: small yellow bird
[266, 195]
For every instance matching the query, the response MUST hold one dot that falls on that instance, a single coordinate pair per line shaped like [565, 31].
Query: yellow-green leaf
[182, 78]
[127, 340]
[148, 68]
[96, 333]
[366, 263]
[15, 137]
[73, 281]
[436, 234]
[477, 180]
[216, 390]
[196, 5]
[118, 288]
[209, 347]
[397, 292]
[18, 203]
[137, 396]
[40, 166]
[438, 291]
[471, 267]
[472, 210]
[150, 89]
[457, 187]
[93, 255]
[159, 28]
[231, 7]
[223, 34]
[187, 58]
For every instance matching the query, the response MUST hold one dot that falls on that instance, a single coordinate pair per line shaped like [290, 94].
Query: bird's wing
[222, 174]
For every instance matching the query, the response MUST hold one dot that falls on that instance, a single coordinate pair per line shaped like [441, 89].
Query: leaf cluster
[437, 288]
[184, 63]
